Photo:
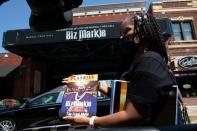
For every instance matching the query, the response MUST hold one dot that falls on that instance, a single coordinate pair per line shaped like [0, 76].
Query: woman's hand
[78, 119]
[65, 80]
[103, 87]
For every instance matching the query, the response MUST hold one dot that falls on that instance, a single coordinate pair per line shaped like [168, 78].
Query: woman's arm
[128, 117]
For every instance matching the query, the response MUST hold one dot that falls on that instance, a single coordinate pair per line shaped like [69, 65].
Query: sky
[14, 14]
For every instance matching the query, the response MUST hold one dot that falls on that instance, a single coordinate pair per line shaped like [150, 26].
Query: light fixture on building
[5, 55]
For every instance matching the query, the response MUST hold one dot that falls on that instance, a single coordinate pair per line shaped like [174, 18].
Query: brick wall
[100, 18]
[24, 80]
[177, 4]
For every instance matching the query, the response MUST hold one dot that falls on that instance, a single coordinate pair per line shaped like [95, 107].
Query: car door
[42, 111]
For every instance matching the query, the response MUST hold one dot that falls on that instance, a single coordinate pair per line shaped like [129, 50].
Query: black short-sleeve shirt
[149, 82]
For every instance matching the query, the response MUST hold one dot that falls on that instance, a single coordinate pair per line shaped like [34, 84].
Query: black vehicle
[42, 112]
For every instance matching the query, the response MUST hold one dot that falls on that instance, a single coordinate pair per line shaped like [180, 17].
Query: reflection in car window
[45, 99]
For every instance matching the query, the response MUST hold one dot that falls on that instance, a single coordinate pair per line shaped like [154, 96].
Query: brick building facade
[183, 14]
[183, 51]
[17, 76]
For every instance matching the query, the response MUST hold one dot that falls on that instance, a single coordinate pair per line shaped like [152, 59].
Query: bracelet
[91, 121]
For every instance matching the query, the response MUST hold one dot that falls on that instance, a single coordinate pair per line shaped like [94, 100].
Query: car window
[60, 97]
[46, 99]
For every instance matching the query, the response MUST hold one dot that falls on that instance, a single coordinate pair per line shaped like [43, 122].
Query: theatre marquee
[84, 32]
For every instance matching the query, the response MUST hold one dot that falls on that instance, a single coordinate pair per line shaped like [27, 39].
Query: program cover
[118, 95]
[80, 96]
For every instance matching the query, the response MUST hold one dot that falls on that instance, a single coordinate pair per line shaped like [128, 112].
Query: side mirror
[27, 104]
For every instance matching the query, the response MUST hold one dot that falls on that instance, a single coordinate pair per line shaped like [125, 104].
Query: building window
[183, 30]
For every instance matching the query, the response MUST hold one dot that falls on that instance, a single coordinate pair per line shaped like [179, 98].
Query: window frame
[33, 102]
[180, 23]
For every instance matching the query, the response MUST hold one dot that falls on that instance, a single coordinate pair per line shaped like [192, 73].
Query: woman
[149, 78]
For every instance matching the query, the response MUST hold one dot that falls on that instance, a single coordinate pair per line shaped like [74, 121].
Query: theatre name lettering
[93, 32]
[189, 62]
[86, 34]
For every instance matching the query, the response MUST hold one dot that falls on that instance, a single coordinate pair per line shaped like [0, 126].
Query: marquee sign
[189, 62]
[74, 33]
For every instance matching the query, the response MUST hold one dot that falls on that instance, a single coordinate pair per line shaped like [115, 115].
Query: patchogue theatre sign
[189, 62]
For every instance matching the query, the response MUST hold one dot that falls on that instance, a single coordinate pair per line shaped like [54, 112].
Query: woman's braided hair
[148, 31]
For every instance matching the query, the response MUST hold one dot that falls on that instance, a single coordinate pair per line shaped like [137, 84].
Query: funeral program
[80, 96]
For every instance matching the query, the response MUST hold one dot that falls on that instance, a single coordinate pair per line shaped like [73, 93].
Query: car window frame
[42, 96]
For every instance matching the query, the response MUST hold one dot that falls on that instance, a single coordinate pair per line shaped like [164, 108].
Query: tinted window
[46, 99]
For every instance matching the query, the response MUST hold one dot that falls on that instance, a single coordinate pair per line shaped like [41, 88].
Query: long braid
[148, 31]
